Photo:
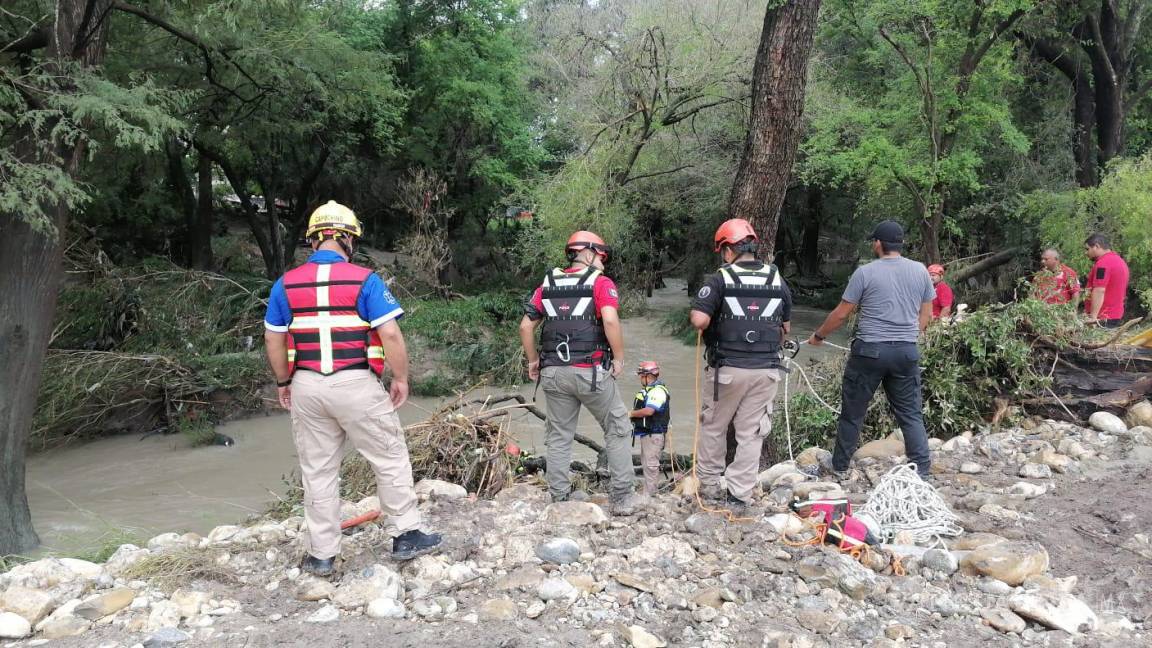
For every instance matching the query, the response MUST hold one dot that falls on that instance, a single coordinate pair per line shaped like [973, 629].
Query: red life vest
[326, 334]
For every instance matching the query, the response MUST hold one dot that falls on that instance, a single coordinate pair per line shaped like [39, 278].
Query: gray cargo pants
[565, 390]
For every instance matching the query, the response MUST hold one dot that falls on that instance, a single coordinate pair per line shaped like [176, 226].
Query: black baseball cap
[888, 231]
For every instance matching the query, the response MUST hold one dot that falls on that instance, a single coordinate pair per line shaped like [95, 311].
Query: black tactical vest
[571, 331]
[748, 325]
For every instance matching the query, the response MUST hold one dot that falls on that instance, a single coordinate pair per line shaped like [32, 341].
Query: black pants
[896, 365]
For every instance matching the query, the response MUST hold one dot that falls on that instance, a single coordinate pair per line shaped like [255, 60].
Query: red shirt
[1110, 273]
[943, 299]
[603, 294]
[1058, 287]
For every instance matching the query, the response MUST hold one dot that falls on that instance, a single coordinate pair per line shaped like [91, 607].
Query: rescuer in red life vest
[580, 355]
[330, 329]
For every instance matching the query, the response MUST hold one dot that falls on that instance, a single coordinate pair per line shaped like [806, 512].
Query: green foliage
[676, 324]
[476, 336]
[966, 366]
[1121, 207]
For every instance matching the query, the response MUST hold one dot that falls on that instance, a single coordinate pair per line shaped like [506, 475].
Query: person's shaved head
[1050, 258]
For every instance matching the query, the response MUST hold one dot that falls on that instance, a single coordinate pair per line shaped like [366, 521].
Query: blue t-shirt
[375, 303]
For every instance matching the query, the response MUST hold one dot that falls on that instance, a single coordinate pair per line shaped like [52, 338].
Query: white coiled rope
[904, 502]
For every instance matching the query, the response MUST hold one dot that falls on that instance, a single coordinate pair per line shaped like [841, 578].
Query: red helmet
[936, 268]
[734, 231]
[584, 239]
[650, 367]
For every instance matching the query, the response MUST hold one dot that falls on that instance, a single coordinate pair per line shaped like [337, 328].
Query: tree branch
[36, 38]
[907, 60]
[653, 175]
[677, 118]
[1049, 52]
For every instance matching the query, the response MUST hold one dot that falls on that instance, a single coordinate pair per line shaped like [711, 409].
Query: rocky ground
[1055, 552]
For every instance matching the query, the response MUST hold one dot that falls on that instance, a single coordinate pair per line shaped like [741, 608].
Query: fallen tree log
[984, 265]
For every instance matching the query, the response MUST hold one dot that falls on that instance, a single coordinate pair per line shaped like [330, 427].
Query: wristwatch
[284, 383]
[818, 336]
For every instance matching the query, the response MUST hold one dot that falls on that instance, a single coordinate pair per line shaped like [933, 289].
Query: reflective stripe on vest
[571, 332]
[748, 326]
[327, 334]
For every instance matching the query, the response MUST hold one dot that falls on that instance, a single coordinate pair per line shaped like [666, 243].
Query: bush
[1120, 207]
[478, 336]
[966, 367]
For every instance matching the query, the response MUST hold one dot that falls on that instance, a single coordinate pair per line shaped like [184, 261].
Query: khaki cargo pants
[565, 390]
[651, 446]
[352, 405]
[746, 397]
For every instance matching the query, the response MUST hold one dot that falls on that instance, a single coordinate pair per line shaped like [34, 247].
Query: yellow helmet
[330, 218]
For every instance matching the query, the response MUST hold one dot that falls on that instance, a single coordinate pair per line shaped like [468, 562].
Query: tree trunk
[205, 223]
[774, 128]
[182, 188]
[984, 265]
[1084, 123]
[931, 222]
[251, 215]
[808, 260]
[30, 274]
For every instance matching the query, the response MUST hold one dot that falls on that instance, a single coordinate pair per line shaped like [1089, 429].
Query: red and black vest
[748, 325]
[571, 332]
[327, 333]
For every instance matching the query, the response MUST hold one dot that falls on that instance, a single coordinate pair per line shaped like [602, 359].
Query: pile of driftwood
[1088, 377]
[467, 443]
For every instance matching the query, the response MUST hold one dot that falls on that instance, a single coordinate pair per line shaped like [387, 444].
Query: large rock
[818, 621]
[1011, 562]
[428, 488]
[310, 588]
[810, 459]
[881, 449]
[1003, 620]
[1035, 471]
[326, 614]
[43, 574]
[63, 623]
[574, 514]
[361, 588]
[1054, 460]
[126, 556]
[189, 601]
[1140, 414]
[163, 615]
[169, 637]
[785, 523]
[499, 610]
[941, 560]
[553, 589]
[82, 568]
[32, 604]
[1054, 609]
[659, 547]
[524, 578]
[1027, 490]
[839, 571]
[1107, 422]
[105, 604]
[970, 541]
[769, 476]
[638, 637]
[14, 626]
[560, 551]
[63, 626]
[807, 490]
[384, 608]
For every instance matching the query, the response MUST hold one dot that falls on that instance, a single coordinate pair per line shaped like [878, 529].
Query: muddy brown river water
[88, 495]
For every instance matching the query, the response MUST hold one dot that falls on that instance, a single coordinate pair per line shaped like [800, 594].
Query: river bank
[88, 496]
[1051, 553]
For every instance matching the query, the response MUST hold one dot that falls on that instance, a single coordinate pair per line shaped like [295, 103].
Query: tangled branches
[426, 244]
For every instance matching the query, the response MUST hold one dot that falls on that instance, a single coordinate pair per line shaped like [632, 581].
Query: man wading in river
[894, 296]
[331, 326]
[744, 310]
[581, 353]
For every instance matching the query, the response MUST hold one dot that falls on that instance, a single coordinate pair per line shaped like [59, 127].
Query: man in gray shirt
[894, 298]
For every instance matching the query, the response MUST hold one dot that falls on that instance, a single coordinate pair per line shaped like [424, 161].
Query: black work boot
[735, 505]
[411, 544]
[322, 567]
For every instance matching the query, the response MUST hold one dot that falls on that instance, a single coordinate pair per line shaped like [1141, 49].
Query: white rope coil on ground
[904, 502]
